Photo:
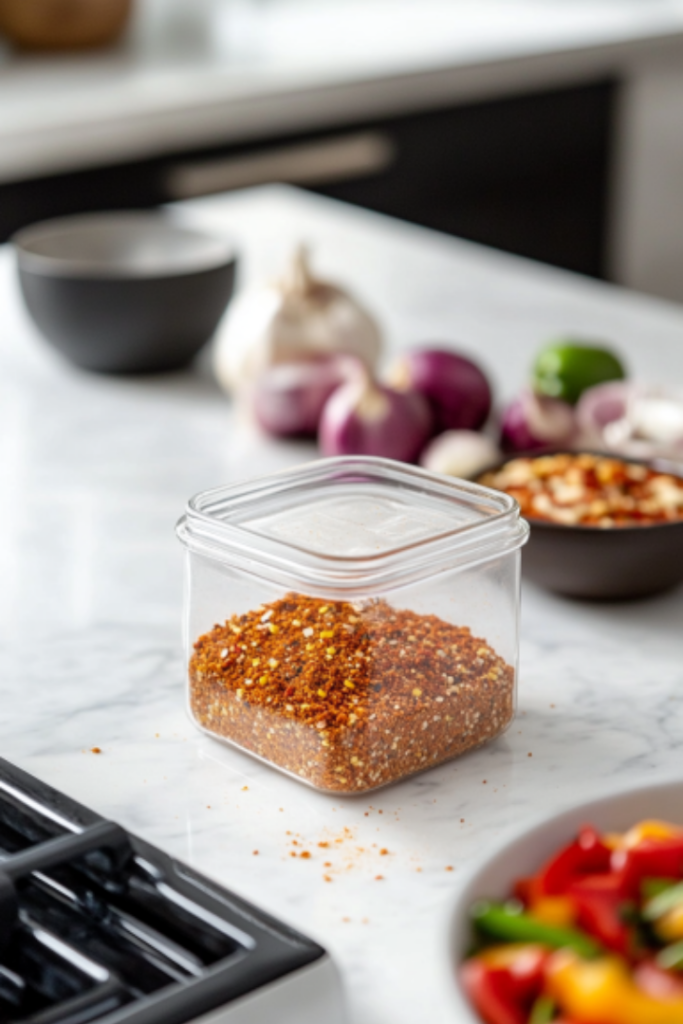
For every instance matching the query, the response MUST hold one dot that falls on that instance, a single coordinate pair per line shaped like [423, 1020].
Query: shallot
[455, 387]
[531, 422]
[363, 417]
[297, 318]
[288, 399]
[463, 453]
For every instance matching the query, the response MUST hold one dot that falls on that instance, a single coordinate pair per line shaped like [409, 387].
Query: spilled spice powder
[348, 697]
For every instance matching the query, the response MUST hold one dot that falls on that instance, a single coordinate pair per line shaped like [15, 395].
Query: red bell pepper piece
[503, 985]
[489, 991]
[599, 900]
[651, 858]
[600, 916]
[587, 855]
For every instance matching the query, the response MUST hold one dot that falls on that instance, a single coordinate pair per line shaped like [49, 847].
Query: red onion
[288, 398]
[531, 422]
[463, 453]
[454, 386]
[366, 418]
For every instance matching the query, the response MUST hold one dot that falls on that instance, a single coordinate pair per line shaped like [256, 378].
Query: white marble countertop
[213, 72]
[95, 472]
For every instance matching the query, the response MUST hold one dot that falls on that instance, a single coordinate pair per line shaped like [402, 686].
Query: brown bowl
[598, 563]
[63, 24]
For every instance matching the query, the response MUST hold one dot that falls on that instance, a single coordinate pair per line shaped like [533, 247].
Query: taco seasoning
[348, 697]
[365, 619]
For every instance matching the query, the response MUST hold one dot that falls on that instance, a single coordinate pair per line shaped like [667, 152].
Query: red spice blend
[348, 697]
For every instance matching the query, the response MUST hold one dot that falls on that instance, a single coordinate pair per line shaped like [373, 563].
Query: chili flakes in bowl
[583, 489]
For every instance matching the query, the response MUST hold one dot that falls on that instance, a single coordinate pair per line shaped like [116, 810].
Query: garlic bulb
[299, 317]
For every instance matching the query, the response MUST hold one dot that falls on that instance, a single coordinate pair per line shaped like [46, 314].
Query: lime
[565, 370]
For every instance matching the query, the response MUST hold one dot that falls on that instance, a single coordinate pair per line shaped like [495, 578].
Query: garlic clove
[461, 453]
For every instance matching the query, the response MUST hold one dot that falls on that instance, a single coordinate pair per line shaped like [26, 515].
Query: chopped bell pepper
[650, 887]
[649, 830]
[666, 901]
[587, 855]
[599, 902]
[651, 857]
[603, 990]
[504, 981]
[559, 910]
[669, 927]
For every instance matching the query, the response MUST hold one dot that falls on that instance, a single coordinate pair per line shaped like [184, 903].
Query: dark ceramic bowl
[606, 564]
[129, 292]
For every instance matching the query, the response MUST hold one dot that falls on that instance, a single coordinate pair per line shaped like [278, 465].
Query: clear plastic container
[354, 620]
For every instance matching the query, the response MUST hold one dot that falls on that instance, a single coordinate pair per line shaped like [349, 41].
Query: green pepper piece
[651, 887]
[671, 957]
[509, 922]
[565, 370]
[543, 1011]
[665, 901]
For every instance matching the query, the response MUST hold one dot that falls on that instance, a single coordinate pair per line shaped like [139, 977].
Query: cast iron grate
[97, 925]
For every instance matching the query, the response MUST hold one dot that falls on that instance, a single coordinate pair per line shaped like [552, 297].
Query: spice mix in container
[354, 620]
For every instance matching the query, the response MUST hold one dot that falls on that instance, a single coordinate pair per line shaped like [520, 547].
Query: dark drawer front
[528, 174]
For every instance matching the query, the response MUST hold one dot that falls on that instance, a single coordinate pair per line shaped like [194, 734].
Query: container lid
[352, 523]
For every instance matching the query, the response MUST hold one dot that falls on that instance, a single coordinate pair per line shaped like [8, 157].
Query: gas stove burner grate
[97, 925]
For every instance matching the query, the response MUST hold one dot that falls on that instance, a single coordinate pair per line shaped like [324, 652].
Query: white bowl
[525, 853]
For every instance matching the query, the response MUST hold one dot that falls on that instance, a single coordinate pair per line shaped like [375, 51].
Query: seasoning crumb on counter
[348, 697]
[95, 750]
[589, 490]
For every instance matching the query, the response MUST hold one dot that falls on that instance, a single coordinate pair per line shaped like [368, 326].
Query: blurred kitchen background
[548, 128]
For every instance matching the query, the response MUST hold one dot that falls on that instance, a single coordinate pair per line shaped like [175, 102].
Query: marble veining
[95, 471]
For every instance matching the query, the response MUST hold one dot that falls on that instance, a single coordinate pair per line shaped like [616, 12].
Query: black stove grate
[97, 925]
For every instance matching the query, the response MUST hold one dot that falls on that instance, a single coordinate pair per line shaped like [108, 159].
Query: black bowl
[129, 292]
[602, 563]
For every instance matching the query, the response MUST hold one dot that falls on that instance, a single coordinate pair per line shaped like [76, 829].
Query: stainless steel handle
[306, 163]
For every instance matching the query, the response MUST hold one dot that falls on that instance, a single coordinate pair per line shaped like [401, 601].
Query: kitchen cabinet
[526, 173]
[551, 130]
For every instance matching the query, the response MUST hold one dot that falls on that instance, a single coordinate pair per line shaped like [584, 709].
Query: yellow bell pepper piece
[669, 927]
[555, 910]
[509, 954]
[603, 990]
[649, 830]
